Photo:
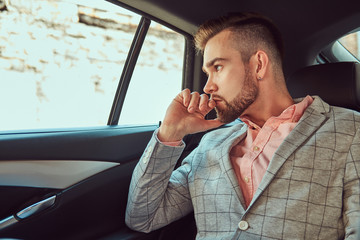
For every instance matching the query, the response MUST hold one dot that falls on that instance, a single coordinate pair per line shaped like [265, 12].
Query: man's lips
[216, 99]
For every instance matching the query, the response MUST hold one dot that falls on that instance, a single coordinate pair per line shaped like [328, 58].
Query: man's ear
[261, 63]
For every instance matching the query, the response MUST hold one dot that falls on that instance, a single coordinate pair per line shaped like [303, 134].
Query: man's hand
[186, 115]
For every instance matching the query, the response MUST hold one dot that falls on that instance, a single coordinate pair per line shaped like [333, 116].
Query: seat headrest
[336, 83]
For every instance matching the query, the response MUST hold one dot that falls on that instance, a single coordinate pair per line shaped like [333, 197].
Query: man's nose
[210, 87]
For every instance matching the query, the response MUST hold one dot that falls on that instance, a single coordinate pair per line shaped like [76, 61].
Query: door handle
[36, 207]
[28, 211]
[7, 222]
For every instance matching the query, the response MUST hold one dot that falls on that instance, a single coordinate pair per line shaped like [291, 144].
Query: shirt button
[256, 148]
[243, 225]
[246, 179]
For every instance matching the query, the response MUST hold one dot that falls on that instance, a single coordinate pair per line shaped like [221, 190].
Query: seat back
[336, 83]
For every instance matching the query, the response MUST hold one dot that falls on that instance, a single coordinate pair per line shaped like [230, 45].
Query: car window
[352, 43]
[157, 77]
[60, 64]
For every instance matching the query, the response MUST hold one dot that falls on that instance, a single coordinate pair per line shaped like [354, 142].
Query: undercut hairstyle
[251, 32]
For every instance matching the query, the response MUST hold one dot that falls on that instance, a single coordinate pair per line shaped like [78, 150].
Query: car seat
[337, 84]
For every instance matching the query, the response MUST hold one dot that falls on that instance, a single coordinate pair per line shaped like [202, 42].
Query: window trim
[188, 66]
[128, 70]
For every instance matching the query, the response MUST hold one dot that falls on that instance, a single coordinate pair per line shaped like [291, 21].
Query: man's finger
[186, 96]
[203, 105]
[211, 104]
[206, 105]
[194, 102]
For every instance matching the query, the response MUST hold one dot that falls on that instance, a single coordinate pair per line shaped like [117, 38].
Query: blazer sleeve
[158, 195]
[351, 194]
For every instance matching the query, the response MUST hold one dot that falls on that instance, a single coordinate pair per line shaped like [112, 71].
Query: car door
[64, 181]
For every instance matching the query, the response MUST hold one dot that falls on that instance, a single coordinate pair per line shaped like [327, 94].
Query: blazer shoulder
[341, 113]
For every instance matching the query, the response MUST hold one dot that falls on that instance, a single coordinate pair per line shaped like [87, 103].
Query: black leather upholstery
[336, 83]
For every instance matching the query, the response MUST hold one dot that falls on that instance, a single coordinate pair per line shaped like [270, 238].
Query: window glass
[60, 61]
[352, 43]
[157, 77]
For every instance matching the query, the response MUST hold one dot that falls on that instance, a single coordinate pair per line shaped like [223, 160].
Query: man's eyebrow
[212, 62]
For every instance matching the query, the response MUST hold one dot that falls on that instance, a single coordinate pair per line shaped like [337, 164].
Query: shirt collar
[291, 114]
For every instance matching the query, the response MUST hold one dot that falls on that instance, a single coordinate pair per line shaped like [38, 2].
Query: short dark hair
[252, 32]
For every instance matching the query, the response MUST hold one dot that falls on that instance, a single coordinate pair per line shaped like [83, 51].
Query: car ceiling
[307, 26]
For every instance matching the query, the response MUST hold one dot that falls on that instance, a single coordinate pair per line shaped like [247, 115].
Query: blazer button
[243, 225]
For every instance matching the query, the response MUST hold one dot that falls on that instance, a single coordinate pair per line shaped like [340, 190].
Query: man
[289, 171]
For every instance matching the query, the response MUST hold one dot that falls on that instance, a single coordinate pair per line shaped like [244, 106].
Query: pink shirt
[250, 157]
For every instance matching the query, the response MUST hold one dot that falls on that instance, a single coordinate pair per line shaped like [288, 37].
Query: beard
[240, 103]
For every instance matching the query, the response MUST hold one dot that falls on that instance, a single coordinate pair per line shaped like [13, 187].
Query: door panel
[88, 208]
[59, 174]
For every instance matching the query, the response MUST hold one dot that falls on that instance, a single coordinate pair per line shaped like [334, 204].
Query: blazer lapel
[312, 119]
[222, 154]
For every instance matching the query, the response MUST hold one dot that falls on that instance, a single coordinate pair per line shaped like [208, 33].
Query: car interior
[73, 183]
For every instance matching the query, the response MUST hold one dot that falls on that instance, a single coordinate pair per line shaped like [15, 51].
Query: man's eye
[218, 68]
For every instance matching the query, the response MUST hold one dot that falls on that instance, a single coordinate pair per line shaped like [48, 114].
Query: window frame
[134, 51]
[128, 70]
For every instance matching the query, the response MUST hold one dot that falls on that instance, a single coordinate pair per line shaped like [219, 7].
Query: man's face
[231, 84]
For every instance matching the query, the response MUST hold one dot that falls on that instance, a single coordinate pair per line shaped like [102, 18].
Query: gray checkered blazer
[309, 191]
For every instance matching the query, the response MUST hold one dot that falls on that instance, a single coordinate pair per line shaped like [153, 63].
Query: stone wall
[49, 48]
